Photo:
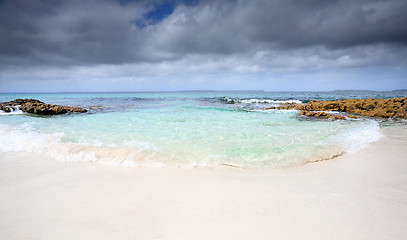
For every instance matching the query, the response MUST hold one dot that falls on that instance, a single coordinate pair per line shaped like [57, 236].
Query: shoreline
[361, 195]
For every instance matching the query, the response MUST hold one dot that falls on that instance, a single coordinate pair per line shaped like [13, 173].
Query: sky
[158, 45]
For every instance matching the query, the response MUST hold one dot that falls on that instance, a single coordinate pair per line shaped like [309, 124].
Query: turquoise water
[187, 129]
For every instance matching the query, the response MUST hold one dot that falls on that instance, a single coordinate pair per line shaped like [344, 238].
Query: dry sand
[356, 196]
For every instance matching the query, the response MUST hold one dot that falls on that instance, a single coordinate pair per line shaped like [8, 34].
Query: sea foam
[15, 110]
[270, 101]
[25, 139]
[135, 153]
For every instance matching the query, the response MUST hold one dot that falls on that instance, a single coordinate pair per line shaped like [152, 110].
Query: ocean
[188, 129]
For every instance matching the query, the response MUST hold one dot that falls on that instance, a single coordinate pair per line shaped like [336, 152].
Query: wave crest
[134, 154]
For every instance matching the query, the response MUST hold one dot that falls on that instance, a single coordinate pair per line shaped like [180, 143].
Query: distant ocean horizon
[189, 128]
[209, 90]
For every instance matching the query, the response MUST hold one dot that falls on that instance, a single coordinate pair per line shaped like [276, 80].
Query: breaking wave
[134, 153]
[257, 100]
[13, 110]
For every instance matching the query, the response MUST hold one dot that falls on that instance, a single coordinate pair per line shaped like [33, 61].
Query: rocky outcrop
[321, 115]
[381, 108]
[37, 107]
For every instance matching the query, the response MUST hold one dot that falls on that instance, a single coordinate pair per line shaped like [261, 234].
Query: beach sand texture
[356, 196]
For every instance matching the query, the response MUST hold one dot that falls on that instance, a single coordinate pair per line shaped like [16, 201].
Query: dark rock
[38, 107]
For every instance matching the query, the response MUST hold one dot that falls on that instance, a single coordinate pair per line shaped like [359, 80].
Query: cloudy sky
[131, 45]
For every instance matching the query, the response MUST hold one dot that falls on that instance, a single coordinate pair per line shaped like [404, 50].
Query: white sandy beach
[356, 196]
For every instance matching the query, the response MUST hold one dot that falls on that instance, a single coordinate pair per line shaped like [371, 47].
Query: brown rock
[321, 115]
[38, 107]
[351, 116]
[381, 108]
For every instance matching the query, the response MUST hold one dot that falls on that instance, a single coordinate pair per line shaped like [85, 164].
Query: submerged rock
[37, 107]
[381, 108]
[322, 115]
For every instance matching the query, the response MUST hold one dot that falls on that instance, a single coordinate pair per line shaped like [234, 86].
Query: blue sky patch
[161, 11]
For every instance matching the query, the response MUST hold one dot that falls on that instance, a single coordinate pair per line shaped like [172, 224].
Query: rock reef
[37, 107]
[380, 108]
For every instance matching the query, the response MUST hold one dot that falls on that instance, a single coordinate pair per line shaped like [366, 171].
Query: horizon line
[173, 91]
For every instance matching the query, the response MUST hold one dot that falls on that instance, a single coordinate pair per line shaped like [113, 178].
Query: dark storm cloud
[229, 26]
[51, 32]
[335, 24]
